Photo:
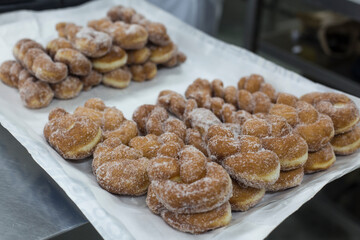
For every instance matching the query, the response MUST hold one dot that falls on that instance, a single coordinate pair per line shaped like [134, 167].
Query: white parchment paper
[118, 217]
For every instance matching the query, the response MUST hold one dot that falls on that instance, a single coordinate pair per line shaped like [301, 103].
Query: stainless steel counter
[32, 205]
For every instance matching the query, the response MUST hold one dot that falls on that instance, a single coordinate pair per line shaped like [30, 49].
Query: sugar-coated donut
[143, 72]
[56, 44]
[200, 90]
[118, 78]
[112, 121]
[114, 59]
[88, 41]
[120, 169]
[139, 56]
[177, 59]
[199, 222]
[68, 88]
[287, 179]
[73, 137]
[162, 54]
[320, 160]
[341, 109]
[93, 79]
[245, 197]
[347, 143]
[9, 73]
[78, 64]
[173, 102]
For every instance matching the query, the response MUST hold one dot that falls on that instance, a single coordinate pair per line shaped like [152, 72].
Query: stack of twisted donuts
[214, 151]
[115, 50]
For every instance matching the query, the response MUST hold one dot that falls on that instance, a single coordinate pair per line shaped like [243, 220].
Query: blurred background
[319, 39]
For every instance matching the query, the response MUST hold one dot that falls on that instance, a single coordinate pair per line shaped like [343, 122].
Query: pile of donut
[124, 46]
[216, 150]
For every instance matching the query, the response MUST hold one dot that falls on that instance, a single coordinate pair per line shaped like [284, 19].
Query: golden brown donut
[202, 119]
[114, 59]
[88, 41]
[230, 94]
[257, 102]
[143, 72]
[9, 73]
[139, 56]
[320, 160]
[172, 102]
[245, 197]
[162, 54]
[34, 93]
[200, 90]
[22, 46]
[176, 60]
[341, 109]
[118, 78]
[229, 115]
[243, 157]
[199, 222]
[73, 137]
[120, 169]
[277, 135]
[127, 36]
[112, 121]
[122, 13]
[56, 44]
[217, 87]
[287, 99]
[287, 179]
[38, 62]
[78, 64]
[255, 83]
[317, 129]
[148, 145]
[347, 143]
[202, 186]
[194, 138]
[155, 120]
[91, 80]
[67, 89]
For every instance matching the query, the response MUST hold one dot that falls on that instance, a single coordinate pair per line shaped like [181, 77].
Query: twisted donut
[120, 169]
[68, 88]
[255, 83]
[152, 119]
[287, 179]
[88, 41]
[33, 57]
[341, 109]
[139, 56]
[114, 59]
[73, 137]
[126, 36]
[78, 64]
[162, 54]
[9, 73]
[347, 143]
[118, 78]
[143, 72]
[93, 79]
[110, 119]
[245, 197]
[56, 44]
[320, 160]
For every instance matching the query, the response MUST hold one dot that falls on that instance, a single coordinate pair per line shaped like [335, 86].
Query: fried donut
[114, 59]
[91, 80]
[287, 179]
[38, 62]
[143, 72]
[199, 222]
[126, 36]
[347, 143]
[229, 115]
[78, 64]
[255, 83]
[276, 135]
[162, 54]
[200, 90]
[139, 56]
[257, 102]
[202, 185]
[88, 41]
[194, 138]
[202, 119]
[112, 121]
[9, 73]
[34, 93]
[320, 160]
[157, 31]
[341, 109]
[155, 120]
[177, 59]
[172, 102]
[67, 89]
[118, 78]
[317, 129]
[120, 169]
[287, 99]
[73, 137]
[56, 44]
[245, 197]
